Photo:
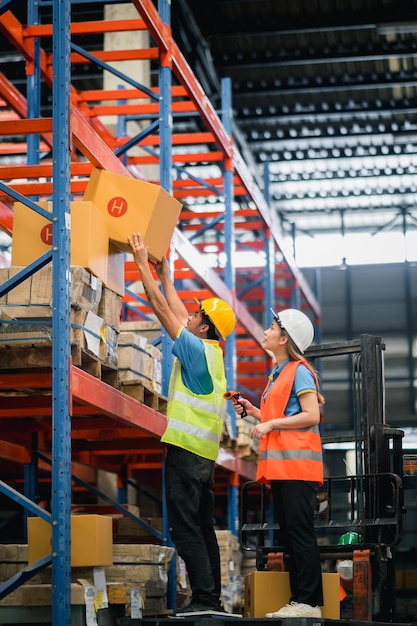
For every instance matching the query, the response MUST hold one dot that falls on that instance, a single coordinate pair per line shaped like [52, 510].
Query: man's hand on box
[139, 250]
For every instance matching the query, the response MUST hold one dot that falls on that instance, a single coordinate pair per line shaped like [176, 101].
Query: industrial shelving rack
[61, 149]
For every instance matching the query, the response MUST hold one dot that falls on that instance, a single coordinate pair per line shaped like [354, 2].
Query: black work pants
[189, 480]
[294, 502]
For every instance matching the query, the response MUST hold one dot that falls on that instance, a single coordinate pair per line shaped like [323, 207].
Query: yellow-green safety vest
[195, 421]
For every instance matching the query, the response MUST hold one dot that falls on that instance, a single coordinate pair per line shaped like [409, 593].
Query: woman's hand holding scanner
[238, 405]
[242, 406]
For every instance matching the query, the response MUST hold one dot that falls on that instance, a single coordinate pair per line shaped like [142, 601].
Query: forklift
[368, 505]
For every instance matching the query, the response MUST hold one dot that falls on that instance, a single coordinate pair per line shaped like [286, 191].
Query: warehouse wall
[378, 300]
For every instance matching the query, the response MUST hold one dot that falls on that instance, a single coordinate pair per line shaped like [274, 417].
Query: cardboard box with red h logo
[132, 205]
[89, 243]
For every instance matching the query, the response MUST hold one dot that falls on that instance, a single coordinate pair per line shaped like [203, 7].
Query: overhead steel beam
[182, 70]
[309, 86]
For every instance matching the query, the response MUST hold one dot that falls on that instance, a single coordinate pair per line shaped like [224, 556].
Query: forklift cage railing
[373, 509]
[370, 503]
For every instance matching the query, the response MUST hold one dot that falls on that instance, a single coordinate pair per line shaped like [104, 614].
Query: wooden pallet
[39, 355]
[143, 392]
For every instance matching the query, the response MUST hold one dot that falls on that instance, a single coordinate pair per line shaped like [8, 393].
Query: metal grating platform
[245, 621]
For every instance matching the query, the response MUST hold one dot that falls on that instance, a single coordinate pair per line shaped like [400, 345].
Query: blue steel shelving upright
[165, 177]
[61, 419]
[60, 519]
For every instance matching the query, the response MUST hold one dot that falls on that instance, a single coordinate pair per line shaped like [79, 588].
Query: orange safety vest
[294, 454]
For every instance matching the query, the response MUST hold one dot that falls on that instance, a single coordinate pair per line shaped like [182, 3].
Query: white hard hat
[297, 326]
[345, 569]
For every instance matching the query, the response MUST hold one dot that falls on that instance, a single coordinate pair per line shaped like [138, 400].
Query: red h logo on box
[46, 235]
[117, 206]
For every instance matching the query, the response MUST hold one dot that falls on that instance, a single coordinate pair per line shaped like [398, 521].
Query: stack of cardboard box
[113, 207]
[231, 578]
[97, 564]
[26, 313]
[140, 362]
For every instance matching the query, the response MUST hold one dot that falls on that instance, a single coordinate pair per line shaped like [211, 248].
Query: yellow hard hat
[220, 313]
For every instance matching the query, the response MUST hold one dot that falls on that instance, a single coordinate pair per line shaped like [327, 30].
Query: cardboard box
[115, 275]
[266, 592]
[36, 297]
[14, 553]
[132, 205]
[25, 331]
[39, 595]
[32, 236]
[89, 239]
[126, 527]
[131, 351]
[20, 295]
[153, 367]
[4, 277]
[13, 558]
[91, 540]
[25, 312]
[41, 288]
[32, 233]
[86, 331]
[110, 308]
[150, 330]
[410, 579]
[108, 345]
[143, 553]
[103, 509]
[85, 288]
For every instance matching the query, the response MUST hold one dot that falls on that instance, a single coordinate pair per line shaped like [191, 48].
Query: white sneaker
[296, 609]
[281, 612]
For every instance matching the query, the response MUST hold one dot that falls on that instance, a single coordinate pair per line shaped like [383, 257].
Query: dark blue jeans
[190, 502]
[294, 502]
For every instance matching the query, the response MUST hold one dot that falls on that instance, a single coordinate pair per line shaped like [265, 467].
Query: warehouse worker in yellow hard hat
[195, 417]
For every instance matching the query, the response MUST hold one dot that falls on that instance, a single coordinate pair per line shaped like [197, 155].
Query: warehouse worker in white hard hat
[290, 455]
[195, 418]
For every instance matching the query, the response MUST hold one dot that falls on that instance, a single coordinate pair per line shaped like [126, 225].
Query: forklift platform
[204, 620]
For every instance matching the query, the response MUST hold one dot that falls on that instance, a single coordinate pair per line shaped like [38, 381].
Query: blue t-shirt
[303, 381]
[189, 350]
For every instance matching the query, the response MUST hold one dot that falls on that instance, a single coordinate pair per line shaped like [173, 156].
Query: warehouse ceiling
[324, 99]
[323, 93]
